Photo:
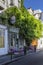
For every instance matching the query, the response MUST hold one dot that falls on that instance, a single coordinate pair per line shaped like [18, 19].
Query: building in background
[38, 14]
[35, 13]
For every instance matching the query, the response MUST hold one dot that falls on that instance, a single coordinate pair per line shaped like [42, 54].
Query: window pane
[1, 38]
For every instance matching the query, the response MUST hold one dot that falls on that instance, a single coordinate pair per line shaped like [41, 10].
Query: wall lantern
[12, 19]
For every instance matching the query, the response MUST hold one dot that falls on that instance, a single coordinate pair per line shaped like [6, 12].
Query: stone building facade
[9, 36]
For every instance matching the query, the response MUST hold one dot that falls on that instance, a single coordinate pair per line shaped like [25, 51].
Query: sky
[34, 4]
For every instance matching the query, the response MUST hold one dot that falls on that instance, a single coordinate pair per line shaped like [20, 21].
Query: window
[11, 2]
[2, 38]
[13, 38]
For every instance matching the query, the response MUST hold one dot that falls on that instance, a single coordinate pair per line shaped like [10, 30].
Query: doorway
[13, 40]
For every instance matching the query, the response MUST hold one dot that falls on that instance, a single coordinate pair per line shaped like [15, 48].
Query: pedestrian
[34, 48]
[25, 50]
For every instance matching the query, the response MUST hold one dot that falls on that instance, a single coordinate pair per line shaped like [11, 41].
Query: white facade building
[8, 3]
[35, 13]
[30, 10]
[8, 39]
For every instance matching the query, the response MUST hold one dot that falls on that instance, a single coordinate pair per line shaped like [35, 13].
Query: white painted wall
[16, 3]
[40, 44]
[7, 3]
[5, 49]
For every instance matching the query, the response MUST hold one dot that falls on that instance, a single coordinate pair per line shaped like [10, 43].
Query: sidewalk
[7, 58]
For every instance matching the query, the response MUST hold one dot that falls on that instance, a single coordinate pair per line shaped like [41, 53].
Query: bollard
[24, 50]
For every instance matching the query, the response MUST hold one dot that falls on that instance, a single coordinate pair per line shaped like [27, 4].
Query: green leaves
[30, 28]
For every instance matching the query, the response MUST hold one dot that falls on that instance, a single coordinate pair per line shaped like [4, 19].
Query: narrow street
[30, 59]
[21, 32]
